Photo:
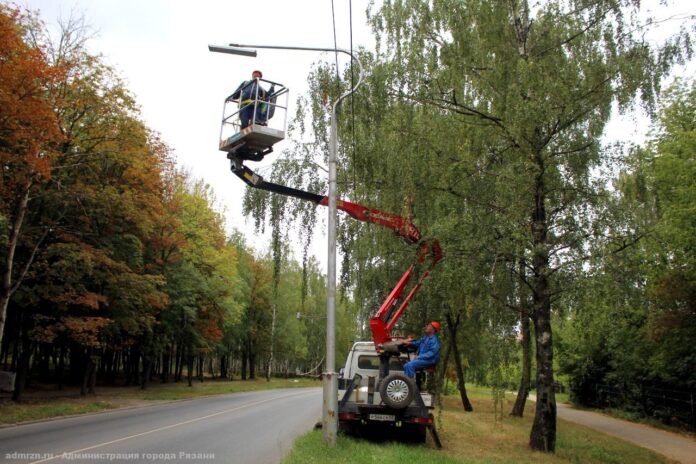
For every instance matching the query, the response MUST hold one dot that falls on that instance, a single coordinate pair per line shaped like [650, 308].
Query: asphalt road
[253, 427]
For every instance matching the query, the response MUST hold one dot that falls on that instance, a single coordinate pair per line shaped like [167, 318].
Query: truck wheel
[397, 390]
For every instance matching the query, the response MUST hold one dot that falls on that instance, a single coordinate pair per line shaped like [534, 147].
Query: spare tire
[397, 390]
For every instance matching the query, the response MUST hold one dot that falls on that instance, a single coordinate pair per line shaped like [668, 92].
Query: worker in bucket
[253, 101]
[428, 350]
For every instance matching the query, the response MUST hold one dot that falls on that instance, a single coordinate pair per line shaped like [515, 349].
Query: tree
[29, 139]
[529, 92]
[672, 291]
[123, 260]
[634, 326]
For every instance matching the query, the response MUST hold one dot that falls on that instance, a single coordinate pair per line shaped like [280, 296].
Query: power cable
[352, 103]
[333, 18]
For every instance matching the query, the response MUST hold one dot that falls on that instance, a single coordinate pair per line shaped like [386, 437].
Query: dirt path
[672, 445]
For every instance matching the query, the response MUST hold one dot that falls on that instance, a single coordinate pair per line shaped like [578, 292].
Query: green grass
[111, 398]
[477, 438]
[310, 449]
[12, 413]
[562, 398]
[181, 390]
[640, 419]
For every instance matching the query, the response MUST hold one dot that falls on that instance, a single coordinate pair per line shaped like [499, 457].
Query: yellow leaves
[88, 299]
[28, 126]
[86, 330]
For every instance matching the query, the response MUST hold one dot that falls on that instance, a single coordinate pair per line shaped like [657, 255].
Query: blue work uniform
[247, 94]
[428, 354]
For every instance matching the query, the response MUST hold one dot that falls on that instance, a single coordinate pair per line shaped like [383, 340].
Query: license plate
[383, 417]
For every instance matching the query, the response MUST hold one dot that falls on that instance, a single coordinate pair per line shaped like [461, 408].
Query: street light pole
[330, 377]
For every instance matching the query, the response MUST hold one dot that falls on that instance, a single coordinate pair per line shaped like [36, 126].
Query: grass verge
[477, 437]
[12, 413]
[45, 406]
[180, 391]
[640, 419]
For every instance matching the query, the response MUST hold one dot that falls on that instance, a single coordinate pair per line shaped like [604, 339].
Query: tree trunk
[86, 373]
[22, 366]
[245, 360]
[126, 367]
[147, 367]
[112, 368]
[523, 392]
[252, 365]
[116, 368]
[4, 353]
[134, 366]
[189, 374]
[461, 381]
[93, 376]
[543, 434]
[15, 354]
[61, 367]
[104, 364]
[179, 366]
[223, 366]
[44, 363]
[7, 288]
[166, 364]
[269, 364]
[440, 375]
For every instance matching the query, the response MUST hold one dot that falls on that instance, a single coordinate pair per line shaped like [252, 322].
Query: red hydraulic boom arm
[386, 317]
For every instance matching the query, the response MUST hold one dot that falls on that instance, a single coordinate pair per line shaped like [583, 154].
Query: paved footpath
[674, 446]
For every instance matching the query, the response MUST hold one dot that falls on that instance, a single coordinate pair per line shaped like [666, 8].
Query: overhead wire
[352, 102]
[333, 18]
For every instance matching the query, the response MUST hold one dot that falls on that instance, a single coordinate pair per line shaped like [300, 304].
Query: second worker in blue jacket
[428, 350]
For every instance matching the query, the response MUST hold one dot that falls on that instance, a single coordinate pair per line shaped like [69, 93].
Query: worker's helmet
[253, 74]
[436, 326]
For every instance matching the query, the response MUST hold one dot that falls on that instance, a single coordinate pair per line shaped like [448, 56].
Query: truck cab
[391, 405]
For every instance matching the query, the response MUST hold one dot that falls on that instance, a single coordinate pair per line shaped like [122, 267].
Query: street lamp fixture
[330, 377]
[232, 50]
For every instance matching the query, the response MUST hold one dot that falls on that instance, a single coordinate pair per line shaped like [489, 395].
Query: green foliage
[17, 413]
[633, 329]
[127, 259]
[310, 448]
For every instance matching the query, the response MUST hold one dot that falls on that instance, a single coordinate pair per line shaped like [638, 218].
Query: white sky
[160, 48]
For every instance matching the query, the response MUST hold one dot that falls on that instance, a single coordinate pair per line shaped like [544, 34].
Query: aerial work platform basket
[251, 127]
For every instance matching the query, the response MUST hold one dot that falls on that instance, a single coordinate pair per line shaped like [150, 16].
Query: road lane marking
[159, 429]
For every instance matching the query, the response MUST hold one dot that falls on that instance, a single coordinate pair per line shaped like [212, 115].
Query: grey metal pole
[329, 377]
[330, 410]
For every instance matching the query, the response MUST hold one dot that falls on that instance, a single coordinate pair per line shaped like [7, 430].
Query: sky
[160, 48]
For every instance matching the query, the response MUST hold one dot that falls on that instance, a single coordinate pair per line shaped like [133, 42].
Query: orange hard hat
[436, 326]
[257, 72]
